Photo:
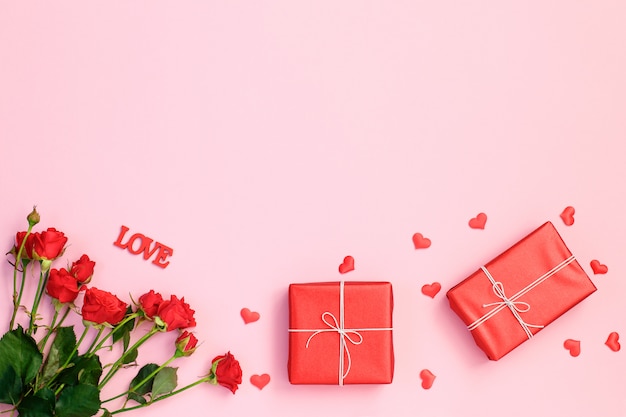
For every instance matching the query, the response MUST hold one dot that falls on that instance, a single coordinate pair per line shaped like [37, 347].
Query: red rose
[49, 244]
[82, 269]
[27, 252]
[102, 307]
[186, 344]
[227, 372]
[176, 314]
[150, 302]
[62, 286]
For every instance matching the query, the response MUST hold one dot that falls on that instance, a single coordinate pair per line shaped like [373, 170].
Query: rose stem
[115, 366]
[193, 384]
[116, 328]
[41, 287]
[17, 298]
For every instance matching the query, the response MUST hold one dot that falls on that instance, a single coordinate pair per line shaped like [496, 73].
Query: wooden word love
[144, 246]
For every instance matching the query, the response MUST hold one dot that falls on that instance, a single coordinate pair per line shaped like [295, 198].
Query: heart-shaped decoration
[260, 381]
[427, 378]
[613, 342]
[598, 268]
[420, 242]
[568, 215]
[347, 265]
[573, 346]
[249, 316]
[431, 289]
[479, 221]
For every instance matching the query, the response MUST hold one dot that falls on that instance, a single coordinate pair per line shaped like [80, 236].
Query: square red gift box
[521, 291]
[340, 333]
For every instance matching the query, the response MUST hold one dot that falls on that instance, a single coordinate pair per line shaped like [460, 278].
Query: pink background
[265, 141]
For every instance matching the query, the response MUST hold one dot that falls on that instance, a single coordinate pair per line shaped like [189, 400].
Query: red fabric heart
[249, 316]
[598, 268]
[431, 289]
[479, 221]
[347, 265]
[613, 342]
[427, 378]
[568, 215]
[420, 241]
[573, 346]
[260, 381]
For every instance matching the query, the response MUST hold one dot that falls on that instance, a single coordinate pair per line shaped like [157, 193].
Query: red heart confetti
[420, 241]
[598, 268]
[249, 316]
[568, 215]
[479, 221]
[347, 265]
[613, 342]
[427, 378]
[573, 346]
[431, 289]
[260, 381]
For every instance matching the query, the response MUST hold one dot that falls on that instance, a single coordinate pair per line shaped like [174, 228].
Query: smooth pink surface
[264, 142]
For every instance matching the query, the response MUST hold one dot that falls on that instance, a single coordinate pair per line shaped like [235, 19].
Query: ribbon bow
[510, 302]
[344, 334]
[498, 289]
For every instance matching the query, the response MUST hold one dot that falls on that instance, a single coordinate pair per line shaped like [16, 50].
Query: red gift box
[340, 333]
[520, 292]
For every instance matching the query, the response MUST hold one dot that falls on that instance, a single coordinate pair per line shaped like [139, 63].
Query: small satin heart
[431, 289]
[613, 342]
[568, 215]
[479, 221]
[260, 381]
[420, 242]
[573, 346]
[598, 268]
[427, 378]
[249, 316]
[347, 265]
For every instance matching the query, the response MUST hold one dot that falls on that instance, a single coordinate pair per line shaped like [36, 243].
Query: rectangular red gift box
[520, 292]
[340, 333]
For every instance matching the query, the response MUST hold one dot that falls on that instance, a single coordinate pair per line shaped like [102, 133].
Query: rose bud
[62, 286]
[33, 218]
[225, 371]
[186, 344]
[82, 269]
[149, 303]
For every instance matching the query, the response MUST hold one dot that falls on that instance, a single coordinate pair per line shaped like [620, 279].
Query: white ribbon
[511, 303]
[338, 326]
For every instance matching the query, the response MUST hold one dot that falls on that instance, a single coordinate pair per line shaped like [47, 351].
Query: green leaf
[85, 370]
[39, 405]
[19, 353]
[10, 386]
[136, 397]
[164, 382]
[78, 401]
[141, 375]
[130, 356]
[90, 370]
[60, 351]
[137, 393]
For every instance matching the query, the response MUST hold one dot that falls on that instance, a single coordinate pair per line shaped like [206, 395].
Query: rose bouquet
[54, 370]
